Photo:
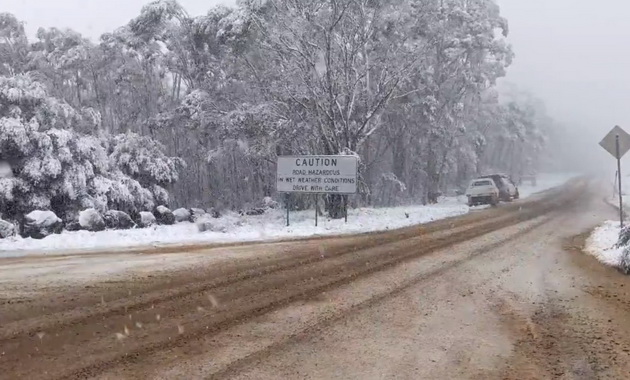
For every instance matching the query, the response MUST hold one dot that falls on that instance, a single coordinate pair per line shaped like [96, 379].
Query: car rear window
[482, 183]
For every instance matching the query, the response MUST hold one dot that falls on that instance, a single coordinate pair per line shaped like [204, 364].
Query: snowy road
[498, 293]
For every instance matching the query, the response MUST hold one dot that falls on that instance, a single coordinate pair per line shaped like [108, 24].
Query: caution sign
[317, 174]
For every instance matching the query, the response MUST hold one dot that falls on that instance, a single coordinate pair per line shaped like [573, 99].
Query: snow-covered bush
[164, 215]
[182, 215]
[253, 211]
[7, 229]
[55, 168]
[118, 220]
[268, 202]
[624, 262]
[146, 219]
[197, 213]
[225, 224]
[213, 212]
[91, 220]
[38, 224]
[72, 225]
[624, 237]
[143, 159]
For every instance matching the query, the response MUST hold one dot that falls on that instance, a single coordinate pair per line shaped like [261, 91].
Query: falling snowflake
[213, 300]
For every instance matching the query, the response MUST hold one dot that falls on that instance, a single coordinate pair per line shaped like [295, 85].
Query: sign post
[286, 203]
[617, 143]
[317, 175]
[619, 181]
[316, 209]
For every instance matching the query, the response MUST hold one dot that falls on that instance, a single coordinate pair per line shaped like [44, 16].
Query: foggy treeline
[193, 111]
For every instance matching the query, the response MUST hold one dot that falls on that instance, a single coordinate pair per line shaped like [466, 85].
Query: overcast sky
[574, 54]
[90, 17]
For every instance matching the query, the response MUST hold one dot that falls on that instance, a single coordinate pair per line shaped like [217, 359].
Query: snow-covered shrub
[212, 225]
[197, 213]
[253, 211]
[146, 219]
[225, 224]
[72, 225]
[91, 220]
[143, 159]
[118, 220]
[164, 215]
[624, 262]
[7, 229]
[268, 202]
[624, 237]
[56, 168]
[38, 224]
[182, 215]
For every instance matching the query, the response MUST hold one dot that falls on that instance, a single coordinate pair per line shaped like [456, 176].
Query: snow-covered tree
[407, 85]
[13, 45]
[56, 168]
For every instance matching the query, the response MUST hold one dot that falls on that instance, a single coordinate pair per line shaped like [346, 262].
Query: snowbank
[601, 244]
[270, 226]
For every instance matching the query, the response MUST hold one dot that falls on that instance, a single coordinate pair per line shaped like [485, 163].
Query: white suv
[482, 191]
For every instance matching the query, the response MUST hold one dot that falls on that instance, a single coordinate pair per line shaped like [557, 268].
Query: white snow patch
[162, 209]
[544, 182]
[43, 218]
[601, 244]
[90, 218]
[147, 218]
[269, 226]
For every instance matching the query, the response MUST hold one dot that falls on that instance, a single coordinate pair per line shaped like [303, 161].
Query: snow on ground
[601, 244]
[269, 226]
[545, 182]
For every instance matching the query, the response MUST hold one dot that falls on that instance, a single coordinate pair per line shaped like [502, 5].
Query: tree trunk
[334, 205]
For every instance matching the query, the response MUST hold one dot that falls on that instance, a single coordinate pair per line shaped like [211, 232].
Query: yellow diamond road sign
[609, 144]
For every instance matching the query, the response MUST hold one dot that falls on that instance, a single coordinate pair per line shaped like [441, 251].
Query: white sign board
[609, 143]
[317, 174]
